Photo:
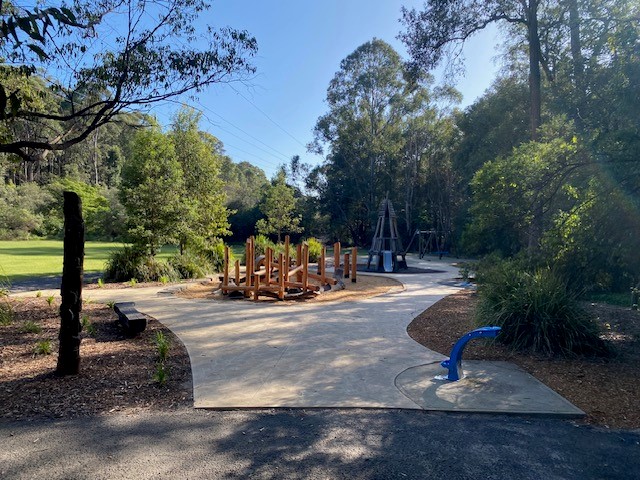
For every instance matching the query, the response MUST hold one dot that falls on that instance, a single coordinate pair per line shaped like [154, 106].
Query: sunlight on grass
[29, 258]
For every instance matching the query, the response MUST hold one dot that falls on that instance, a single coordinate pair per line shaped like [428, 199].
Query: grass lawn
[21, 259]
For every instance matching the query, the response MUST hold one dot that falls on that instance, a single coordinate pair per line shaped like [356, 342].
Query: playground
[341, 353]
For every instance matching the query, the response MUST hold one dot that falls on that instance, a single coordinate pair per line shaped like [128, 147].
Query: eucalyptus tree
[104, 58]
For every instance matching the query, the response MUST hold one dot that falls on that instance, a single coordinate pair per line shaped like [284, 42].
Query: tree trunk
[535, 94]
[71, 288]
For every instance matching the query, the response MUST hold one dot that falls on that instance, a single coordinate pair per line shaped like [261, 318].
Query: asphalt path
[315, 444]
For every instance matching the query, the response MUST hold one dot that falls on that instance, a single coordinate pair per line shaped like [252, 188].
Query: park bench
[454, 362]
[131, 319]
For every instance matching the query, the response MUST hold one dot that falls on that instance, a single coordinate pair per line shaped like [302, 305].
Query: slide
[388, 261]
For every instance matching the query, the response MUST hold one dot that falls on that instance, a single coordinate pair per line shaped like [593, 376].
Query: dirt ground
[607, 389]
[116, 372]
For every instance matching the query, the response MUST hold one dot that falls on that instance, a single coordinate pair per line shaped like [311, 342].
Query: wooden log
[354, 263]
[322, 279]
[347, 265]
[295, 271]
[336, 256]
[267, 264]
[256, 286]
[71, 286]
[247, 268]
[237, 273]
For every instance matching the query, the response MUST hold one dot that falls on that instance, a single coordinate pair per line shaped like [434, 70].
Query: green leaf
[38, 51]
[3, 103]
[15, 103]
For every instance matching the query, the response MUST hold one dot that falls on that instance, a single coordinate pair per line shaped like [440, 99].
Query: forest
[542, 170]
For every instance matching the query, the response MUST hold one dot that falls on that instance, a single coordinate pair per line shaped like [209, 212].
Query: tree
[203, 195]
[151, 190]
[279, 207]
[98, 75]
[443, 26]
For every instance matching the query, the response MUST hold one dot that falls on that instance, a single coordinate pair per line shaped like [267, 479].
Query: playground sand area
[366, 286]
[607, 389]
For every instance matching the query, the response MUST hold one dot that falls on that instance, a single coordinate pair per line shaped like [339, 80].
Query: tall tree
[203, 195]
[98, 74]
[279, 207]
[443, 26]
[151, 189]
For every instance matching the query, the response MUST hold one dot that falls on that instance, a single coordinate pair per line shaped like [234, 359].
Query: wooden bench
[131, 319]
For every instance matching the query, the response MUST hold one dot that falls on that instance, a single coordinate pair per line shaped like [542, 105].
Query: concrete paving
[498, 387]
[329, 354]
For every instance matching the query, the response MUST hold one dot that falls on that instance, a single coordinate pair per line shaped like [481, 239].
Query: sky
[300, 45]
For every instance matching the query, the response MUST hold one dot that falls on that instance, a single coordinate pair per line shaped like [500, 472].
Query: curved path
[325, 354]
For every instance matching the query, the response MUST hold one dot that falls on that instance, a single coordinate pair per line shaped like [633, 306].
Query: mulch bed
[607, 389]
[116, 372]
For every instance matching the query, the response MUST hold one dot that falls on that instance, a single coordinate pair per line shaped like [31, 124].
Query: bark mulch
[116, 372]
[607, 389]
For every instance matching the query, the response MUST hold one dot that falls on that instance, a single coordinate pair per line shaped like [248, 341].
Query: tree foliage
[97, 75]
[279, 208]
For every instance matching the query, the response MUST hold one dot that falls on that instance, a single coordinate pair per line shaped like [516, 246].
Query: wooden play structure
[386, 244]
[281, 275]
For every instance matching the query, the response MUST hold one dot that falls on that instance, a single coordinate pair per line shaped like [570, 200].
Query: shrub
[212, 254]
[152, 270]
[131, 263]
[261, 243]
[6, 313]
[189, 265]
[123, 264]
[315, 249]
[43, 347]
[31, 327]
[536, 311]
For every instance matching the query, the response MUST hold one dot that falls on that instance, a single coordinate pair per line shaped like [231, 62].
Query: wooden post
[305, 267]
[225, 273]
[287, 259]
[248, 267]
[321, 264]
[354, 263]
[347, 265]
[336, 257]
[267, 264]
[71, 287]
[281, 270]
[256, 286]
[237, 273]
[299, 262]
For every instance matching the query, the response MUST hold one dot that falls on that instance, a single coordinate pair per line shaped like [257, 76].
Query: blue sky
[301, 44]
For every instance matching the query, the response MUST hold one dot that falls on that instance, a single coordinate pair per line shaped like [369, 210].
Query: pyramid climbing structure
[386, 244]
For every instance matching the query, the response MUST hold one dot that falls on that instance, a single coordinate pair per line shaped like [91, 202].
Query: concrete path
[330, 354]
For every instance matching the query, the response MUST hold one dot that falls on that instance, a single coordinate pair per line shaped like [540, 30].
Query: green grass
[21, 259]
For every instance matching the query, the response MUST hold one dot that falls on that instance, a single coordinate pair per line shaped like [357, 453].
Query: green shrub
[161, 374]
[315, 249]
[152, 270]
[123, 264]
[50, 300]
[6, 313]
[43, 347]
[261, 243]
[536, 311]
[162, 345]
[189, 265]
[131, 263]
[213, 253]
[31, 327]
